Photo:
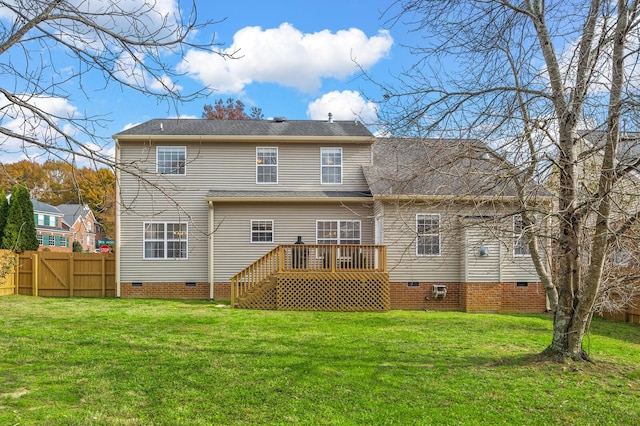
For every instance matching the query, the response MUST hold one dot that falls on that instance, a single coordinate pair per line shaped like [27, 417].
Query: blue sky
[295, 59]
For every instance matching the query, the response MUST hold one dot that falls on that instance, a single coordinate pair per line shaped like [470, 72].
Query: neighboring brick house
[50, 230]
[79, 219]
[206, 200]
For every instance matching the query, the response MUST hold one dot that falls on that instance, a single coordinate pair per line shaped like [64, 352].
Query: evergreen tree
[4, 212]
[20, 230]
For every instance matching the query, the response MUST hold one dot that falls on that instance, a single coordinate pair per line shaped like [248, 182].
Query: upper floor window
[171, 160]
[428, 234]
[338, 232]
[165, 240]
[331, 165]
[262, 231]
[520, 240]
[266, 165]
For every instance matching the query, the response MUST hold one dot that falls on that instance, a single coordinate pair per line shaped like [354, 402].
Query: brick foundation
[507, 297]
[173, 290]
[164, 290]
[468, 297]
[404, 296]
[222, 291]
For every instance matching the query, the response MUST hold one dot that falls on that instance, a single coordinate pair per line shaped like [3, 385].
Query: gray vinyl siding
[481, 268]
[153, 206]
[399, 230]
[234, 250]
[232, 165]
[517, 268]
[229, 166]
[459, 260]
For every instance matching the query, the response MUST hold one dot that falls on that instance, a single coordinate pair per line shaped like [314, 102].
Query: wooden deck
[315, 277]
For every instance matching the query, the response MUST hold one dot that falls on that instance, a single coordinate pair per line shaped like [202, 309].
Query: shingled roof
[276, 127]
[434, 167]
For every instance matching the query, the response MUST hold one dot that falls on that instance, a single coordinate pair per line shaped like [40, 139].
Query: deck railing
[332, 258]
[323, 258]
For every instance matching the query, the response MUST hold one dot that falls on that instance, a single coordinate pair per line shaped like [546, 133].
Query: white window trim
[144, 240]
[341, 166]
[439, 235]
[340, 222]
[273, 237]
[518, 236]
[158, 148]
[277, 165]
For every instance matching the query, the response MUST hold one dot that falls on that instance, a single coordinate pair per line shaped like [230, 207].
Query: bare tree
[534, 79]
[48, 45]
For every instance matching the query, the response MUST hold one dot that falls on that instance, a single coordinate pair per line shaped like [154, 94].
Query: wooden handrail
[255, 273]
[334, 258]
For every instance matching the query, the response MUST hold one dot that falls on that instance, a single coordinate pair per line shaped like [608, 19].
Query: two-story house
[79, 219]
[212, 209]
[50, 231]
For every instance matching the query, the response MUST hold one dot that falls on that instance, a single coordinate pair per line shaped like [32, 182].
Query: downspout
[118, 202]
[211, 251]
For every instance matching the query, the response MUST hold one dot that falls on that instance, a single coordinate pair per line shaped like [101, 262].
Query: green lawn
[151, 362]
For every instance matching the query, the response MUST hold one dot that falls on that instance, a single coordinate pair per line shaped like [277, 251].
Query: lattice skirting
[347, 291]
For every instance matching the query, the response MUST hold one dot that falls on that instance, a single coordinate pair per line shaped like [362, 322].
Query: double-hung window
[338, 232]
[331, 165]
[428, 235]
[262, 231]
[171, 160]
[165, 240]
[266, 164]
[520, 241]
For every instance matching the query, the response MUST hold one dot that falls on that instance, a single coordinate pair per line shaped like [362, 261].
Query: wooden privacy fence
[8, 261]
[53, 274]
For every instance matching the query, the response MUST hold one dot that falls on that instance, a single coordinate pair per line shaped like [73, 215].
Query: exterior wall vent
[279, 119]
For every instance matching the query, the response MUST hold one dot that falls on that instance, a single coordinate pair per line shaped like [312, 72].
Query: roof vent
[330, 118]
[279, 119]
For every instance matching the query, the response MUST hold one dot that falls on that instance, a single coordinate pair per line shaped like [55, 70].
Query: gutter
[297, 139]
[289, 200]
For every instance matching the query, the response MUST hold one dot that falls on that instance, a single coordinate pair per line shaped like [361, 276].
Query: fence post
[34, 274]
[72, 272]
[17, 274]
[104, 274]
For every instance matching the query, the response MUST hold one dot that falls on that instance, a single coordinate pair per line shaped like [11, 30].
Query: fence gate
[53, 274]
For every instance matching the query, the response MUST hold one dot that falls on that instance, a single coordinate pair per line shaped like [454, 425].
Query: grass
[152, 362]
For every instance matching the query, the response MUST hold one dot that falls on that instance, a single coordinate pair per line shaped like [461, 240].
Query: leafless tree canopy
[50, 46]
[552, 88]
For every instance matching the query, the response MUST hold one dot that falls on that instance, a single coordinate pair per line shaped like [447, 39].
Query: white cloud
[129, 126]
[288, 57]
[24, 123]
[345, 105]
